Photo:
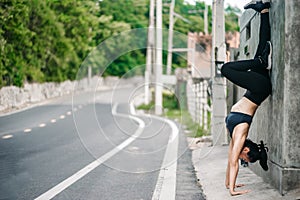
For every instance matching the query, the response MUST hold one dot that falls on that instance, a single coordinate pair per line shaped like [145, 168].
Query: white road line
[132, 110]
[81, 173]
[42, 125]
[166, 183]
[53, 120]
[27, 130]
[5, 137]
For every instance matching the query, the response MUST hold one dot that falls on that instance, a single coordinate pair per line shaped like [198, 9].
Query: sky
[239, 3]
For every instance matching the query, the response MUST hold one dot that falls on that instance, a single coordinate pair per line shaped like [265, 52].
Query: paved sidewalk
[210, 165]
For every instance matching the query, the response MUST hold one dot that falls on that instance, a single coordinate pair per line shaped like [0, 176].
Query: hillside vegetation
[47, 40]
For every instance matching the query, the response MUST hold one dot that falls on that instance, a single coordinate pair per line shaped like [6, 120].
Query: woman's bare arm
[227, 169]
[239, 136]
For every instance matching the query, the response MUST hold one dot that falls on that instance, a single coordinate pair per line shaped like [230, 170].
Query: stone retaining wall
[13, 97]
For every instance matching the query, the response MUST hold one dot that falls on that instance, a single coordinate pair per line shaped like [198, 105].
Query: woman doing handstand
[252, 75]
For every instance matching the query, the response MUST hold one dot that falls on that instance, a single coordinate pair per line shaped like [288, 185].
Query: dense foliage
[48, 40]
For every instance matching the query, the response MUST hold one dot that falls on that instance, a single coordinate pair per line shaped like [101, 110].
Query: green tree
[122, 16]
[49, 40]
[232, 18]
[14, 35]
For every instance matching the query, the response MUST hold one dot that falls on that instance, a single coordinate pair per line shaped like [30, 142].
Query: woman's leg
[252, 74]
[264, 33]
[248, 74]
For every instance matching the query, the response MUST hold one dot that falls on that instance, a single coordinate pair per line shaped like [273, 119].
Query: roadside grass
[172, 111]
[184, 118]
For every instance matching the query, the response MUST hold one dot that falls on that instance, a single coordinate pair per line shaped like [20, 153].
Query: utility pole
[89, 75]
[206, 20]
[158, 66]
[205, 17]
[219, 110]
[170, 42]
[150, 47]
[173, 17]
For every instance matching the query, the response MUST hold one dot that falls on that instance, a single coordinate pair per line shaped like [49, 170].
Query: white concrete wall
[197, 102]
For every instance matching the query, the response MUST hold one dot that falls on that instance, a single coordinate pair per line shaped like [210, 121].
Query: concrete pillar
[205, 106]
[197, 103]
[158, 71]
[170, 38]
[89, 75]
[201, 104]
[150, 48]
[219, 112]
[206, 19]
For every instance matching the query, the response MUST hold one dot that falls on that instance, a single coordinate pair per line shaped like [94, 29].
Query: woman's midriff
[245, 106]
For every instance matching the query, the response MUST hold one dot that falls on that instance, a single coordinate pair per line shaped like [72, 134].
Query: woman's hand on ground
[234, 193]
[239, 185]
[236, 186]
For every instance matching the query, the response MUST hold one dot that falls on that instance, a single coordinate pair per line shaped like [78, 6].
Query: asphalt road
[91, 146]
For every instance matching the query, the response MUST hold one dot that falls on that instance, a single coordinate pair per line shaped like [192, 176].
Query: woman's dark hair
[257, 152]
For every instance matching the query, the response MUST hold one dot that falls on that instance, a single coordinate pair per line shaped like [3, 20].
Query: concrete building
[198, 57]
[200, 53]
[277, 120]
[200, 65]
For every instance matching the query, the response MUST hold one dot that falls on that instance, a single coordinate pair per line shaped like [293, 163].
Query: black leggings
[252, 74]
